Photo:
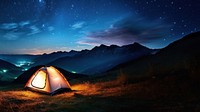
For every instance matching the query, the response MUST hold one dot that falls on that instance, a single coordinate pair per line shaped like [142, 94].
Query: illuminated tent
[48, 80]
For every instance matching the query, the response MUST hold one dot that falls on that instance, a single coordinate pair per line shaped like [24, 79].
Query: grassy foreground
[152, 95]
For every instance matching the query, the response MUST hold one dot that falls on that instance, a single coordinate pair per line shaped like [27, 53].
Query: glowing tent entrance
[48, 80]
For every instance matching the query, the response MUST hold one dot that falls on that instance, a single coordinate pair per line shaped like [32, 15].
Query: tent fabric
[47, 80]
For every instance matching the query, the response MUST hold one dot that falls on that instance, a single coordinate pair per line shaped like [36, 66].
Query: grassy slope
[165, 94]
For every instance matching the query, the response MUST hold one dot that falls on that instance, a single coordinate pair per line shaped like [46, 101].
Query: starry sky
[44, 26]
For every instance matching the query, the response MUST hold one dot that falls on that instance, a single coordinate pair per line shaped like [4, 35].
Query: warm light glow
[47, 79]
[39, 80]
[56, 78]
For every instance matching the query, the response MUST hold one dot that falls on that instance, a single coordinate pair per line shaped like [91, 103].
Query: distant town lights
[4, 71]
[73, 72]
[22, 63]
[25, 69]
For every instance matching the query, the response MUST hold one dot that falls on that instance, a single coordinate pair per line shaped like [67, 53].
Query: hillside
[180, 57]
[8, 71]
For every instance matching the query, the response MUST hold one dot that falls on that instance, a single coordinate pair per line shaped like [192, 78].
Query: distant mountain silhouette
[101, 58]
[47, 58]
[24, 77]
[8, 71]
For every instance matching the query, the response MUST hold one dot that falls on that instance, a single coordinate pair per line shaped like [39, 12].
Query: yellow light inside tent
[39, 80]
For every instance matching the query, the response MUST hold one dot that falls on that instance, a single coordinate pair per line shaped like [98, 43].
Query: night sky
[44, 26]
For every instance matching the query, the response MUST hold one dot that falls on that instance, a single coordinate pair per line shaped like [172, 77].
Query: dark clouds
[127, 31]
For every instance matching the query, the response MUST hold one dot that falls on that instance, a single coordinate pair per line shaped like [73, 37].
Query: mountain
[8, 71]
[101, 58]
[178, 59]
[47, 58]
[96, 60]
[24, 77]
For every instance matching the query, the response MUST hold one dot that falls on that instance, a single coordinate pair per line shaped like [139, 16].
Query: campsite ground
[152, 95]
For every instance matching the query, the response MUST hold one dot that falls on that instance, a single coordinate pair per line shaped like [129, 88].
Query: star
[171, 17]
[72, 6]
[174, 22]
[15, 3]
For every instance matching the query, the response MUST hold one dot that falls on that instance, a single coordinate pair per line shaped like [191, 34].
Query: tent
[48, 80]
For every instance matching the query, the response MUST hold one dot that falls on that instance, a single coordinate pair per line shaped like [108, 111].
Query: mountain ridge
[100, 57]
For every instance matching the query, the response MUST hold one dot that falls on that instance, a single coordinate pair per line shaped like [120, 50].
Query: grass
[165, 94]
[85, 97]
